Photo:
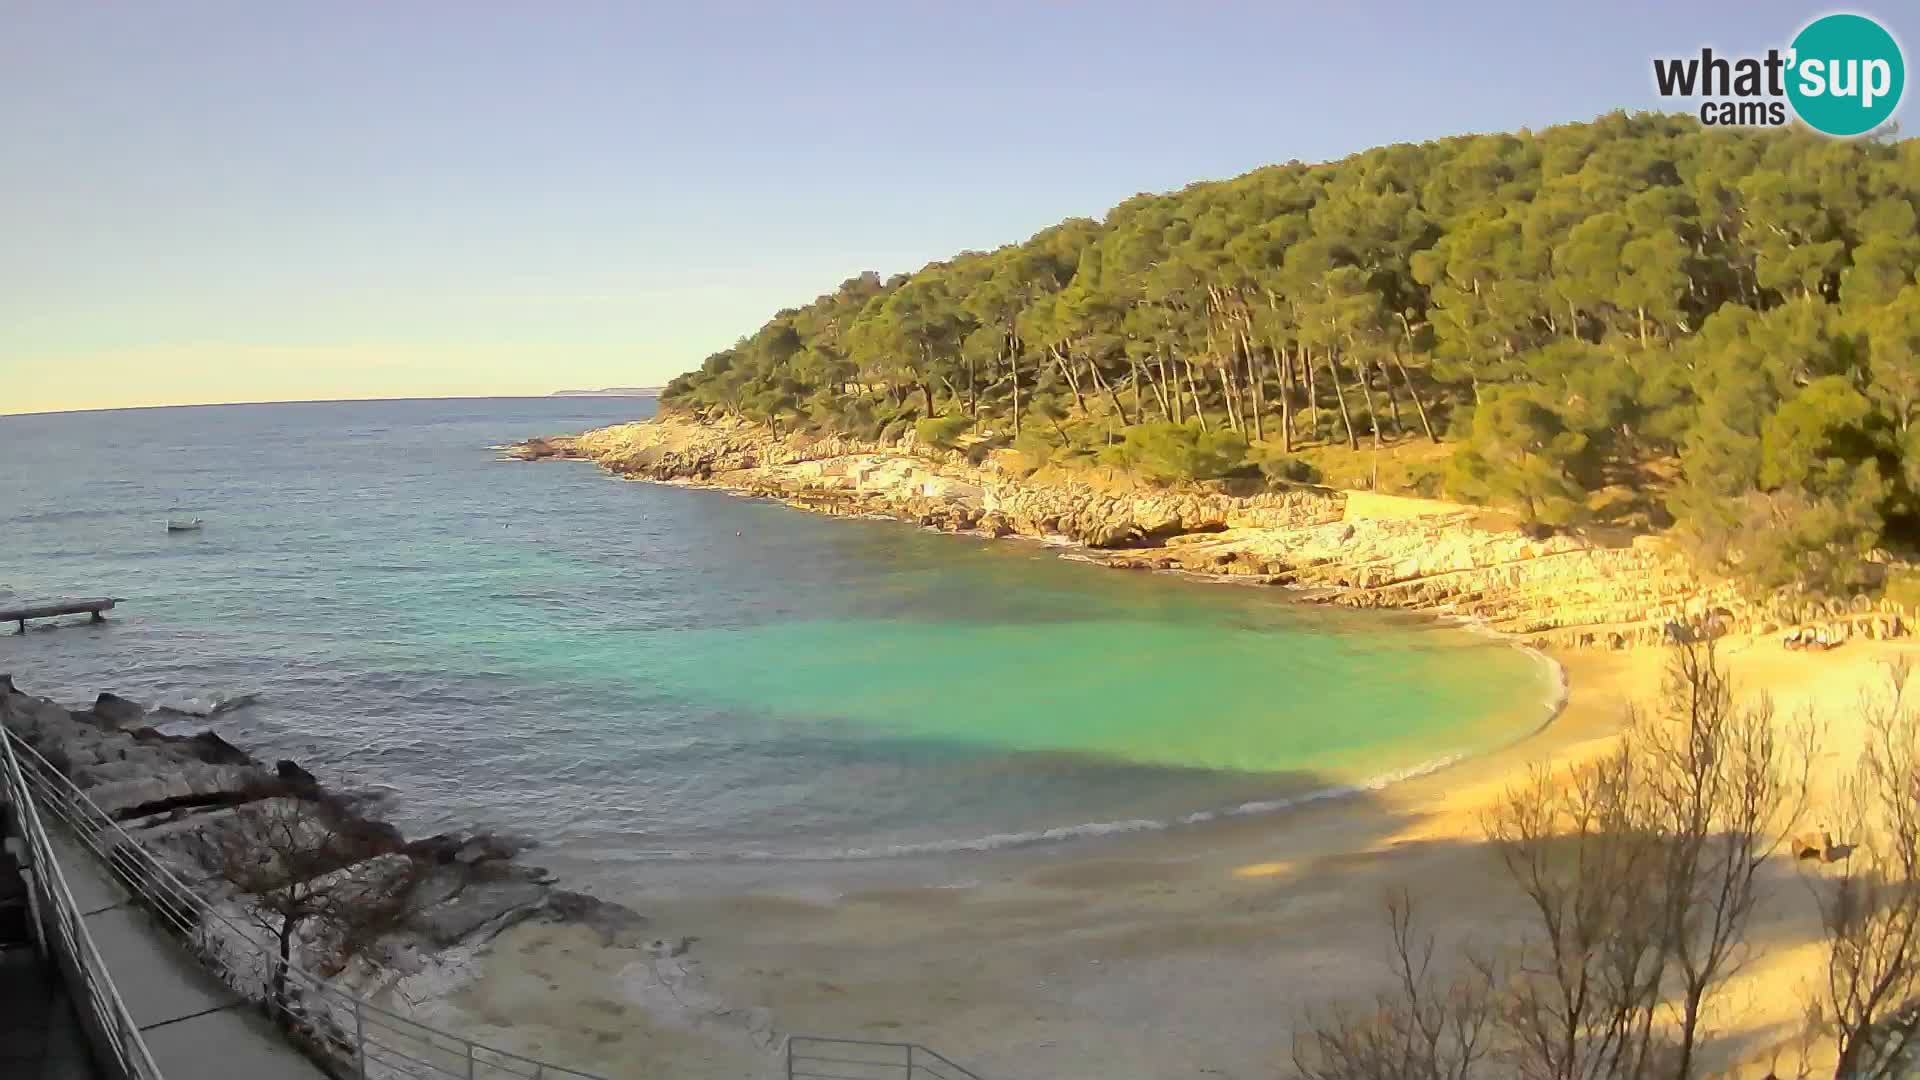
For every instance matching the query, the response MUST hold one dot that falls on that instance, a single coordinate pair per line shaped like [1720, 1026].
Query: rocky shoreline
[1355, 549]
[186, 799]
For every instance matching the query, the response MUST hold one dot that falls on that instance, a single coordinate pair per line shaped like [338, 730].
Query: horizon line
[550, 395]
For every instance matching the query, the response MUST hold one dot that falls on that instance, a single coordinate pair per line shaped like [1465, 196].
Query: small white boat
[182, 524]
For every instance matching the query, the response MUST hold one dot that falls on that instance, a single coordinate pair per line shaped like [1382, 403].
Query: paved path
[194, 1026]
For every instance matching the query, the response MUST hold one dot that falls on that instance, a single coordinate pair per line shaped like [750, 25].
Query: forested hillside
[1634, 319]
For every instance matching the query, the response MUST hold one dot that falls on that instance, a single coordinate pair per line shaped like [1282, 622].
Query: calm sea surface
[630, 671]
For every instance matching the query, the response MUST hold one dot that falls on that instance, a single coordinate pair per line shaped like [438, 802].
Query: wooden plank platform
[93, 606]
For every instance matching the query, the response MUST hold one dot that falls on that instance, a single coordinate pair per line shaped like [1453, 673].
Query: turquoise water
[644, 671]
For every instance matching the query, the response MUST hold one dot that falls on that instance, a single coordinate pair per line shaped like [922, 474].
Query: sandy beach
[1177, 954]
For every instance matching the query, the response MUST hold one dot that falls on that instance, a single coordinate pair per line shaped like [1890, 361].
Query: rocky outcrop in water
[1354, 549]
[538, 448]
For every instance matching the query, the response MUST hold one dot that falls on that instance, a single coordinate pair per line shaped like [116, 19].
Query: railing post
[469, 1061]
[360, 1038]
[789, 1057]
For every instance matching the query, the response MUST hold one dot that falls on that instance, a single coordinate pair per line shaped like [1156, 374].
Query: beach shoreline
[1153, 954]
[1197, 948]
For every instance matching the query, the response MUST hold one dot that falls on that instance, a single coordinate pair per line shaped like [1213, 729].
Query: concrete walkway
[194, 1026]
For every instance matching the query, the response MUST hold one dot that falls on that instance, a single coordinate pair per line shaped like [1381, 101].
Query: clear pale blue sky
[246, 201]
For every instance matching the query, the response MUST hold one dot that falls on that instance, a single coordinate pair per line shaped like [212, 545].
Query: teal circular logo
[1847, 74]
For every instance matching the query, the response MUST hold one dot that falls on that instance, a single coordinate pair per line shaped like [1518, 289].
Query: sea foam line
[1555, 702]
[1062, 833]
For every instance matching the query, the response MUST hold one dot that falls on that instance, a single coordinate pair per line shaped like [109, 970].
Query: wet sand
[1178, 954]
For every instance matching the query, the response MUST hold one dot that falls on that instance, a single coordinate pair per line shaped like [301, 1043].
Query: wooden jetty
[49, 610]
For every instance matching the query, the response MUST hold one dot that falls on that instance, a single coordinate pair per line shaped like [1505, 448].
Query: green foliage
[942, 431]
[1180, 451]
[1521, 454]
[1286, 468]
[892, 430]
[1724, 321]
[1427, 479]
[1816, 437]
[1037, 446]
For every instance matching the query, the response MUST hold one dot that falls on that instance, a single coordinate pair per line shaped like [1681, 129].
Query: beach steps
[94, 606]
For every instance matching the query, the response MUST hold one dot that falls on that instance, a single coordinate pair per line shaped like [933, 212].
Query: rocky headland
[1357, 549]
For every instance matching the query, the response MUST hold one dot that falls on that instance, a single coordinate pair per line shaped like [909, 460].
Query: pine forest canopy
[1722, 324]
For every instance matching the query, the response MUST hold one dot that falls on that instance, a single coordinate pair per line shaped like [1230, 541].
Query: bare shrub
[1641, 873]
[292, 855]
[1425, 1028]
[1723, 790]
[1869, 896]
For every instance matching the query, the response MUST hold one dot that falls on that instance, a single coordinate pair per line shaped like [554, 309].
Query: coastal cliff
[1356, 549]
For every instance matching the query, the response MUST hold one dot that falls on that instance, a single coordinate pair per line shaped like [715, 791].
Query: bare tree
[1869, 897]
[1641, 872]
[1425, 1028]
[292, 855]
[1587, 976]
[1721, 791]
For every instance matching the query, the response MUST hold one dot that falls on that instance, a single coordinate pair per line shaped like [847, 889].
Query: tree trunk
[1013, 358]
[1393, 399]
[1253, 378]
[1284, 361]
[1366, 394]
[1229, 392]
[1107, 388]
[926, 393]
[1073, 383]
[1159, 387]
[279, 990]
[1418, 406]
[1689, 1033]
[1313, 393]
[1195, 392]
[1220, 372]
[1340, 395]
[1139, 411]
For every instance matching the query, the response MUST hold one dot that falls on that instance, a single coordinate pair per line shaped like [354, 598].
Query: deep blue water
[632, 671]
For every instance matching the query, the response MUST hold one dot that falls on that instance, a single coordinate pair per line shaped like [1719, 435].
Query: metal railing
[114, 1034]
[376, 1043]
[809, 1058]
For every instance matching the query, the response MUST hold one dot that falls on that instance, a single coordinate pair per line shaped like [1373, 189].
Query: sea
[634, 673]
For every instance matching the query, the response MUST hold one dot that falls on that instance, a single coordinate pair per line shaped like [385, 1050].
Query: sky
[212, 202]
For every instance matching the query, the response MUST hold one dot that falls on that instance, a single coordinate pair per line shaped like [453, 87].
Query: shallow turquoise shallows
[640, 671]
